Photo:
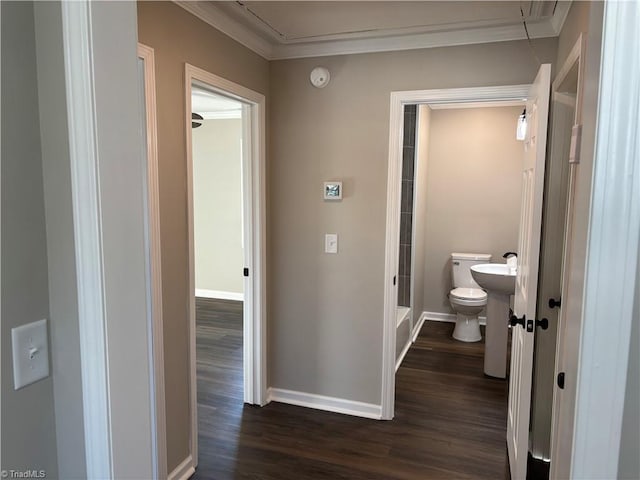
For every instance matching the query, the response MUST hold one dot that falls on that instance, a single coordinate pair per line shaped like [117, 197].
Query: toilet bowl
[467, 303]
[467, 298]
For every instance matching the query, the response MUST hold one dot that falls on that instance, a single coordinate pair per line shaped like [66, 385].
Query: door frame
[146, 54]
[607, 266]
[106, 159]
[557, 193]
[254, 203]
[398, 100]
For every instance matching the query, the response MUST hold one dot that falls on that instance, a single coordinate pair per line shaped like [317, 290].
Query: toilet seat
[468, 296]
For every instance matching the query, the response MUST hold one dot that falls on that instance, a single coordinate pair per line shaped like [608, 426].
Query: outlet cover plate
[30, 353]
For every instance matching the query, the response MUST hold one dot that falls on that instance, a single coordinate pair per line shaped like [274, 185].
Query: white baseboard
[329, 404]
[220, 295]
[183, 471]
[447, 317]
[418, 327]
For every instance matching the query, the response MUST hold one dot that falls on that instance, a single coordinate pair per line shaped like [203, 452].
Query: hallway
[450, 420]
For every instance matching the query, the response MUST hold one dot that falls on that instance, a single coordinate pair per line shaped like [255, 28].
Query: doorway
[503, 95]
[443, 211]
[238, 274]
[526, 279]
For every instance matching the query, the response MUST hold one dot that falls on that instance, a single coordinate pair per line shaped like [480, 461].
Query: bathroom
[461, 193]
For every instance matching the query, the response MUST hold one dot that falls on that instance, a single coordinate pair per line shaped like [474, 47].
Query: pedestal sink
[499, 280]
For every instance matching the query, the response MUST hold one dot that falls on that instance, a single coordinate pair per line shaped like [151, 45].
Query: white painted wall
[217, 199]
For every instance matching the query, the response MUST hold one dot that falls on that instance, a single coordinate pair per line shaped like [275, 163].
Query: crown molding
[275, 49]
[219, 20]
[560, 15]
[411, 42]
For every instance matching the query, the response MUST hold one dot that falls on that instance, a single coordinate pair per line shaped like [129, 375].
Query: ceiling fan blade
[196, 116]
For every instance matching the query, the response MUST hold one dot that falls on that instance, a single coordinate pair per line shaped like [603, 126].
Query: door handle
[553, 303]
[543, 324]
[513, 320]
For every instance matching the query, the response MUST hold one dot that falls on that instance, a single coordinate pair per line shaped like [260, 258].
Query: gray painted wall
[474, 183]
[63, 307]
[332, 305]
[629, 464]
[28, 428]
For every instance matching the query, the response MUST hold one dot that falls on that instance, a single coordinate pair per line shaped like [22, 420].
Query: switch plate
[331, 243]
[30, 353]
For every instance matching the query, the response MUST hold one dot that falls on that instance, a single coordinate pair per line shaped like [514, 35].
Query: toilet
[467, 298]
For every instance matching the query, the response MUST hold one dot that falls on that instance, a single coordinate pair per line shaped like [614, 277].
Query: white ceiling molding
[560, 15]
[209, 13]
[254, 35]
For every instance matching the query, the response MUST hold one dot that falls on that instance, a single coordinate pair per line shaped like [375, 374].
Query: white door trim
[83, 153]
[612, 251]
[155, 261]
[398, 100]
[107, 175]
[254, 201]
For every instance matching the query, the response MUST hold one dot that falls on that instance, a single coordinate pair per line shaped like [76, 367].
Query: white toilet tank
[461, 268]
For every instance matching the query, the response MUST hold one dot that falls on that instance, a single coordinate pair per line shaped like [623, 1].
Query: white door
[527, 277]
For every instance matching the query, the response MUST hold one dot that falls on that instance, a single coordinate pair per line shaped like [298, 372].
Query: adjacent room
[460, 206]
[217, 139]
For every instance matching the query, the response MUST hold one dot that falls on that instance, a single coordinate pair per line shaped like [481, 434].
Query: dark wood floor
[449, 424]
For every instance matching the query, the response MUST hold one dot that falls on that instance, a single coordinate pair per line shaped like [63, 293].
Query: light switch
[331, 243]
[30, 353]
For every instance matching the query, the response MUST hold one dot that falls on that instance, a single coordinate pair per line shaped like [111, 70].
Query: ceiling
[278, 30]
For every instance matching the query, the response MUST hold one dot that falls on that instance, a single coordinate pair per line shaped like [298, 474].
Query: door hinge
[574, 149]
[394, 280]
[245, 272]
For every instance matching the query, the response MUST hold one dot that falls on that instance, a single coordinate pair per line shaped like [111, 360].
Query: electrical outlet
[30, 353]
